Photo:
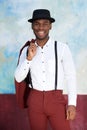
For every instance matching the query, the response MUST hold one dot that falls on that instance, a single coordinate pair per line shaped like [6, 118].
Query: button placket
[43, 69]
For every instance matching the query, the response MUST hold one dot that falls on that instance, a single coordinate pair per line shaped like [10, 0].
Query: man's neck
[41, 43]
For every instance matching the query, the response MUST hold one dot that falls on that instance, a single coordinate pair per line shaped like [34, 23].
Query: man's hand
[71, 112]
[31, 51]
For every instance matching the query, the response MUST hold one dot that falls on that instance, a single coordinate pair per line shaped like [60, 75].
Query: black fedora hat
[41, 14]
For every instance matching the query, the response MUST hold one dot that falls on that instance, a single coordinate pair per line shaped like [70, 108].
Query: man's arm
[70, 75]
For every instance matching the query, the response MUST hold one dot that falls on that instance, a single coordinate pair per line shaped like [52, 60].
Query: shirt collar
[47, 43]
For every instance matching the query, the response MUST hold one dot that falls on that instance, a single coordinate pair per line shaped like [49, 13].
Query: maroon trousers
[47, 105]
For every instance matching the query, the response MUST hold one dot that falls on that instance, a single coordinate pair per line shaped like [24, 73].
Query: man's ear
[50, 26]
[32, 25]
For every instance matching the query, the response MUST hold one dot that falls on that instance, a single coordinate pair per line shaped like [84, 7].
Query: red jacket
[22, 93]
[22, 88]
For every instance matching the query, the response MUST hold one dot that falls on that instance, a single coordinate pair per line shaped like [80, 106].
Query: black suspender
[56, 65]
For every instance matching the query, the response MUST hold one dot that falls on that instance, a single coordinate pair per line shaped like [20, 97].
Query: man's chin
[42, 38]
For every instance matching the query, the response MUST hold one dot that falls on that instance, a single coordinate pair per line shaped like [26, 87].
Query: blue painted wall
[70, 27]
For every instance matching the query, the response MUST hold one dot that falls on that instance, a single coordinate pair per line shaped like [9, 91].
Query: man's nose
[41, 26]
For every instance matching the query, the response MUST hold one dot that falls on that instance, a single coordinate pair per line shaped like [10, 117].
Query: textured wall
[70, 27]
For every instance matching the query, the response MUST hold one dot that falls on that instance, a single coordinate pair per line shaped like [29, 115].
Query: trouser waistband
[49, 91]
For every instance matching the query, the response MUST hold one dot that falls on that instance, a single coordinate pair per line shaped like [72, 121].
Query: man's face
[41, 28]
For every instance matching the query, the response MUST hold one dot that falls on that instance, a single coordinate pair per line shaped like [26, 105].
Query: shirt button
[43, 81]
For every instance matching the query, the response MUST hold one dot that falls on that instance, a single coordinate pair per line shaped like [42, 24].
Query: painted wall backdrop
[70, 27]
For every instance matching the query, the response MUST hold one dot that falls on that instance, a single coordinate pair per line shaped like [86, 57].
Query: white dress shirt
[42, 69]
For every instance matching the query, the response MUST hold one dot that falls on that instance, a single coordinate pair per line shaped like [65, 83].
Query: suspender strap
[56, 64]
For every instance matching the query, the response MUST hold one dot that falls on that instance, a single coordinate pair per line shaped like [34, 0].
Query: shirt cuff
[72, 102]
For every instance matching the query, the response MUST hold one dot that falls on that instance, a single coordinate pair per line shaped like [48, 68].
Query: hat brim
[52, 20]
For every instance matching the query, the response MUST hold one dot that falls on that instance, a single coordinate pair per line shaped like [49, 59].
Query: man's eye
[36, 24]
[46, 24]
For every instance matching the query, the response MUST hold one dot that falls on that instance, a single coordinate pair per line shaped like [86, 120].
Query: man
[45, 101]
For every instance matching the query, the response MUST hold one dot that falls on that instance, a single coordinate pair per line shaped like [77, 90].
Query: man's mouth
[41, 33]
